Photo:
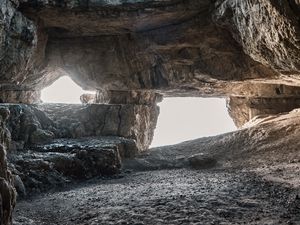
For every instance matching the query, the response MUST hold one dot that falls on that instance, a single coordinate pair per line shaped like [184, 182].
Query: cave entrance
[183, 119]
[63, 90]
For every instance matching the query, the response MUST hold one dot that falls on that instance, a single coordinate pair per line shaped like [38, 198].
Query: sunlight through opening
[183, 119]
[63, 90]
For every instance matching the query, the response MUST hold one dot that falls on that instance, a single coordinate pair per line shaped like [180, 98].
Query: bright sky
[63, 90]
[180, 119]
[183, 119]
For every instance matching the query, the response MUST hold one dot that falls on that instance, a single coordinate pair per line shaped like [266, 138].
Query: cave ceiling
[179, 48]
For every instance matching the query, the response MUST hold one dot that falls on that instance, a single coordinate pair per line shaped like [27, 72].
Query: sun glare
[63, 90]
[183, 119]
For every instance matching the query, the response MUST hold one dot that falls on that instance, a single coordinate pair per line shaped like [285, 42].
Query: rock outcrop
[38, 124]
[63, 161]
[55, 144]
[242, 109]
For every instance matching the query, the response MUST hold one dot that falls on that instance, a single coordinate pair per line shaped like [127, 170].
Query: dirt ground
[180, 196]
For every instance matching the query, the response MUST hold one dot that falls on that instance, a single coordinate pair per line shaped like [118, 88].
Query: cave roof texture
[248, 48]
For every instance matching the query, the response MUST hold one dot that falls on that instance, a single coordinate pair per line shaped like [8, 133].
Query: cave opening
[63, 90]
[186, 118]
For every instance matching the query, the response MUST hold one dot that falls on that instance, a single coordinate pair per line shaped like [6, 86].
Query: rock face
[31, 125]
[268, 31]
[63, 161]
[52, 145]
[131, 121]
[243, 109]
[7, 191]
[21, 48]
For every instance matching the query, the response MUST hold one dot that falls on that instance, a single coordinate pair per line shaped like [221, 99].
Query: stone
[202, 162]
[88, 98]
[19, 186]
[41, 136]
[63, 161]
[125, 120]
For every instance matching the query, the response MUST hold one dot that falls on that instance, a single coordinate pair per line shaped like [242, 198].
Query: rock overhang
[176, 48]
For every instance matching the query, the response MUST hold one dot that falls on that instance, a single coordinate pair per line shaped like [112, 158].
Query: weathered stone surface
[268, 31]
[22, 46]
[26, 124]
[128, 97]
[242, 109]
[176, 47]
[136, 122]
[40, 136]
[35, 124]
[88, 98]
[62, 161]
[20, 96]
[7, 191]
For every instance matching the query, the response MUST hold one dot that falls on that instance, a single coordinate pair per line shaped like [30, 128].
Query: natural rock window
[63, 90]
[183, 119]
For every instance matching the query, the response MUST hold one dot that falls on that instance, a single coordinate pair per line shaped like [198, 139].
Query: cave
[94, 158]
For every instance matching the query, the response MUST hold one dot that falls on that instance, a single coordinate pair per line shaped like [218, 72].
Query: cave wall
[268, 31]
[243, 109]
[7, 191]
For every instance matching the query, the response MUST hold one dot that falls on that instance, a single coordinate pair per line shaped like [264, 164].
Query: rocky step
[44, 167]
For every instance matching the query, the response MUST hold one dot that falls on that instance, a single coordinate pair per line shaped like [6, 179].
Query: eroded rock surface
[63, 161]
[36, 124]
[199, 48]
[7, 191]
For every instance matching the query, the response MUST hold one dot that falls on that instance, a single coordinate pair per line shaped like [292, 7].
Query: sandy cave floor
[181, 196]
